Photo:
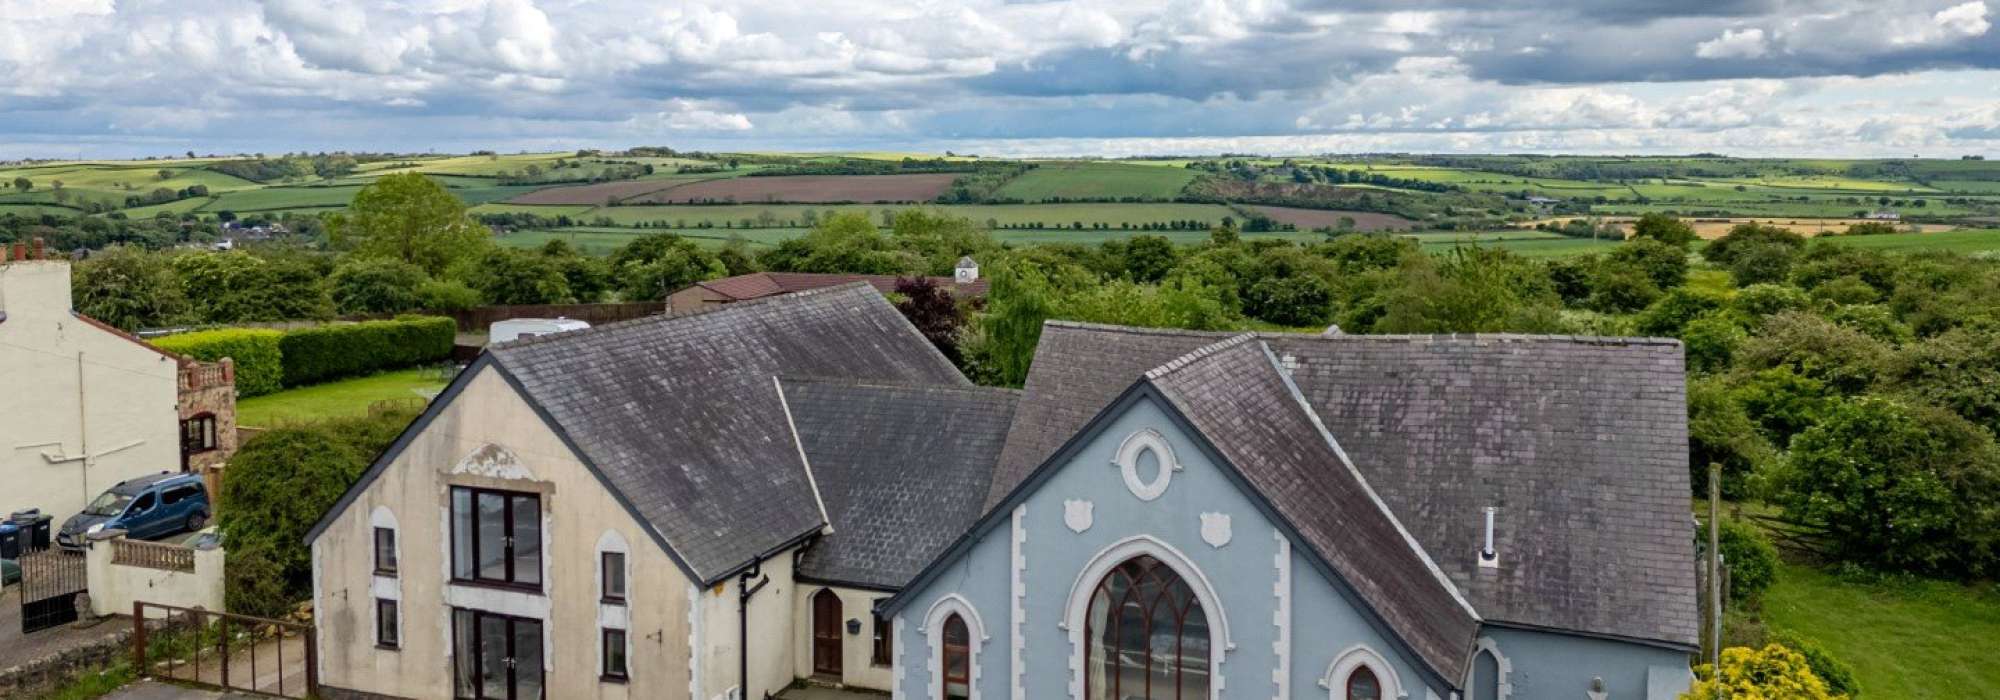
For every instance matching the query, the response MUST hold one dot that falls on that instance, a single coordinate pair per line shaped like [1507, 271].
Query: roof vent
[1489, 557]
[1331, 331]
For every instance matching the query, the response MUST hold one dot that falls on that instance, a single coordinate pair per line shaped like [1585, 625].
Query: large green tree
[129, 288]
[377, 286]
[412, 218]
[1899, 487]
[654, 266]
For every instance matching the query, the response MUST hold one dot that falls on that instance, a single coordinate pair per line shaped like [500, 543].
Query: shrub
[1303, 300]
[317, 354]
[1762, 263]
[376, 286]
[1839, 677]
[1814, 347]
[1759, 300]
[446, 295]
[1752, 560]
[276, 487]
[1711, 341]
[1721, 432]
[259, 361]
[1897, 487]
[1666, 317]
[1725, 250]
[1666, 265]
[1619, 289]
[1771, 673]
[1663, 228]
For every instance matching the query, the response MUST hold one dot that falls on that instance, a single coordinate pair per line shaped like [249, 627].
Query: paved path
[17, 649]
[273, 667]
[150, 690]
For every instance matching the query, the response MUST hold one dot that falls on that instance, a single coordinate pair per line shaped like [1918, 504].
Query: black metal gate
[51, 578]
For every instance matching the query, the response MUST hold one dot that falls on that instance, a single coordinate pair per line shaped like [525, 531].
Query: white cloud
[1734, 43]
[1966, 20]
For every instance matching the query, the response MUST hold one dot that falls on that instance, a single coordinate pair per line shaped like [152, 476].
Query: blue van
[146, 508]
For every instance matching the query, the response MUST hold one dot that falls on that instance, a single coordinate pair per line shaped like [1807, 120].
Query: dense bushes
[1750, 557]
[259, 362]
[1771, 673]
[1897, 487]
[320, 353]
[276, 487]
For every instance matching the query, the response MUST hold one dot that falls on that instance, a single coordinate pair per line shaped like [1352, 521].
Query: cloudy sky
[1113, 77]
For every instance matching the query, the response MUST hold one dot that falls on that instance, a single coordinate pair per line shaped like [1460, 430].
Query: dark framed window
[1362, 685]
[614, 655]
[884, 644]
[1146, 635]
[496, 537]
[496, 657]
[198, 434]
[612, 566]
[957, 659]
[177, 494]
[385, 551]
[385, 624]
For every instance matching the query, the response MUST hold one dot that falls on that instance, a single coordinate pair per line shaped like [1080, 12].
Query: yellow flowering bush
[1771, 673]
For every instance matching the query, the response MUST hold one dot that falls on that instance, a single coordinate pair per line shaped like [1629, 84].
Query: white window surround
[617, 616]
[1138, 444]
[1118, 553]
[1504, 668]
[383, 587]
[934, 631]
[1357, 656]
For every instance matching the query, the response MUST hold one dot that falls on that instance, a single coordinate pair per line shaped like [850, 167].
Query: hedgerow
[259, 361]
[321, 353]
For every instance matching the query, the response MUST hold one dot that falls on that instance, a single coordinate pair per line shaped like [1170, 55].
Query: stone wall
[57, 669]
[210, 388]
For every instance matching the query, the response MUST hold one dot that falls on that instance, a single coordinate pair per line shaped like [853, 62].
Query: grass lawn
[343, 398]
[1921, 639]
[1093, 180]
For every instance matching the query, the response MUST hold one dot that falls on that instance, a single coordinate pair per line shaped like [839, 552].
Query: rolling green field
[1096, 180]
[1977, 241]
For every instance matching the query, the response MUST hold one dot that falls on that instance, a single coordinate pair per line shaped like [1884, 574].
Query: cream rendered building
[598, 513]
[85, 406]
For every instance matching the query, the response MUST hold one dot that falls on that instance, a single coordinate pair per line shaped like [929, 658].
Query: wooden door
[826, 621]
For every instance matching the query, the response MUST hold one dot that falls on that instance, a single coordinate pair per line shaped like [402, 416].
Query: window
[385, 551]
[495, 657]
[1362, 685]
[496, 537]
[884, 643]
[1145, 636]
[177, 494]
[198, 434]
[385, 623]
[143, 504]
[612, 572]
[957, 659]
[614, 655]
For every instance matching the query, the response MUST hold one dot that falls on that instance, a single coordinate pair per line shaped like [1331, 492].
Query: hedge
[259, 361]
[321, 353]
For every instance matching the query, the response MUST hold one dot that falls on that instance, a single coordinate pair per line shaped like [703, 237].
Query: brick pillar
[39, 255]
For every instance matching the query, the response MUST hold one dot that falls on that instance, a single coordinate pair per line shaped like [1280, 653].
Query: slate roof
[903, 470]
[763, 284]
[1237, 398]
[681, 414]
[1580, 442]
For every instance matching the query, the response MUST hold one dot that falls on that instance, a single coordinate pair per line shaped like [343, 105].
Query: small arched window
[957, 659]
[1362, 685]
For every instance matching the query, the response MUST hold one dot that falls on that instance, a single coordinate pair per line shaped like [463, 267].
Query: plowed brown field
[806, 189]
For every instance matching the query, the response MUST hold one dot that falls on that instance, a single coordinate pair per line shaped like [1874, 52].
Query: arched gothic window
[957, 659]
[1146, 636]
[1362, 685]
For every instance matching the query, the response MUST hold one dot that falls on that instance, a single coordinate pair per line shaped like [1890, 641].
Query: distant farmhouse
[712, 505]
[87, 405]
[964, 282]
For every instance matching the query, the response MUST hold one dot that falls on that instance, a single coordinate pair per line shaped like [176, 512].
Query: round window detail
[1147, 463]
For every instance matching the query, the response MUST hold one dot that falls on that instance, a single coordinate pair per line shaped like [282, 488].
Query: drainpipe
[745, 592]
[82, 426]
